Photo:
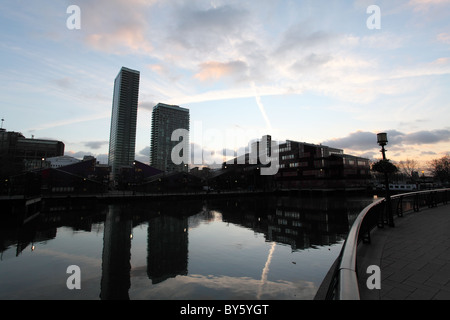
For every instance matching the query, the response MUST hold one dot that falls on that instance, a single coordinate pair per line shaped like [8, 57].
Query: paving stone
[421, 294]
[442, 295]
[415, 258]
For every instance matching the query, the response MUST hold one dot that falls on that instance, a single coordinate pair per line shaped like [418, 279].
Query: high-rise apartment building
[122, 139]
[165, 120]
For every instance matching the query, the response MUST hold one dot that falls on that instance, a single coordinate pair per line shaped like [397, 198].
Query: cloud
[145, 151]
[101, 158]
[66, 122]
[207, 30]
[299, 38]
[117, 26]
[385, 40]
[360, 140]
[216, 70]
[64, 82]
[427, 137]
[211, 42]
[143, 155]
[425, 5]
[311, 62]
[78, 154]
[95, 144]
[364, 140]
[147, 105]
[444, 37]
[213, 286]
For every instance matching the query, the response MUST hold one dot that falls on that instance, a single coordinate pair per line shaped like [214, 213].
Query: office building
[18, 153]
[306, 165]
[122, 137]
[300, 165]
[165, 120]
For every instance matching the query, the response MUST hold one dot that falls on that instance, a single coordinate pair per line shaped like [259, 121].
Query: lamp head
[382, 139]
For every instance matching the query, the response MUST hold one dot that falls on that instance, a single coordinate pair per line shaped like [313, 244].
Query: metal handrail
[344, 283]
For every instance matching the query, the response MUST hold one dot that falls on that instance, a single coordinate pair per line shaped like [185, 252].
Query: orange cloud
[215, 70]
[424, 5]
[444, 37]
[116, 26]
[129, 39]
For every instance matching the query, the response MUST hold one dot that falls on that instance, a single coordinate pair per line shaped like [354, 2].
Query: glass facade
[165, 120]
[123, 120]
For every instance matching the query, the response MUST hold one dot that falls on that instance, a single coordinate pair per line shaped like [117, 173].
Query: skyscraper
[165, 120]
[122, 137]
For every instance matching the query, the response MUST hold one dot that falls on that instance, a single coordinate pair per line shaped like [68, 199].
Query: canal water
[276, 248]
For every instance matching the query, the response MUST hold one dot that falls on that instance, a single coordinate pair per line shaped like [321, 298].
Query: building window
[287, 157]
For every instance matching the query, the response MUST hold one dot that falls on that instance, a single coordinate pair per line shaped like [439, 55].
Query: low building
[302, 165]
[18, 153]
[310, 166]
[58, 162]
[176, 182]
[138, 173]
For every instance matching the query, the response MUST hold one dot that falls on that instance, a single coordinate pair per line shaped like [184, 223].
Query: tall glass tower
[122, 138]
[165, 120]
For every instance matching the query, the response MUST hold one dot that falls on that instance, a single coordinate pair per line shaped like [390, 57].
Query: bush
[384, 166]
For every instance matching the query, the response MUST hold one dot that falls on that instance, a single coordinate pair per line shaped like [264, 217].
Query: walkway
[413, 256]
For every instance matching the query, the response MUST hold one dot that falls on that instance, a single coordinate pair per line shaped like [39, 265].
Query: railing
[344, 283]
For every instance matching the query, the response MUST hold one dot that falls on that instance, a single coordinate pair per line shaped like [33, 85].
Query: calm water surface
[239, 248]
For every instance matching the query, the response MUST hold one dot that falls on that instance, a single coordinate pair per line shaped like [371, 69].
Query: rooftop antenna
[2, 123]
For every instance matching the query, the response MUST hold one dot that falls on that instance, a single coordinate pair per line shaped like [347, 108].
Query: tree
[408, 167]
[384, 166]
[440, 168]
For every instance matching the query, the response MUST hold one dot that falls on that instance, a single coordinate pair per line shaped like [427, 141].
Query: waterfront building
[302, 165]
[122, 137]
[165, 120]
[61, 161]
[310, 166]
[18, 153]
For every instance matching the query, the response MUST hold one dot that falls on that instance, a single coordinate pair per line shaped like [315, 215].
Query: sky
[316, 71]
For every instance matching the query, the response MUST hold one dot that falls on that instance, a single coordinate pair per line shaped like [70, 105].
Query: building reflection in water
[167, 248]
[300, 223]
[116, 255]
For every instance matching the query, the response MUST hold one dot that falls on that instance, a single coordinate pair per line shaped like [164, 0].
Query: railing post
[380, 222]
[431, 201]
[416, 203]
[400, 207]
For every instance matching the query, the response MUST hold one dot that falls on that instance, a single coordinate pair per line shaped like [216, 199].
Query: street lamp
[382, 141]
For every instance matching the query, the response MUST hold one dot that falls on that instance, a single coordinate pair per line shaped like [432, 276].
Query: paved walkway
[413, 256]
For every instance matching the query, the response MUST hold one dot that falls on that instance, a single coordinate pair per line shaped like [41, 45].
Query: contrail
[261, 107]
[266, 270]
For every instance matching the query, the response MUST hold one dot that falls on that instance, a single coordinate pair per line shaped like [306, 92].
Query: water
[234, 249]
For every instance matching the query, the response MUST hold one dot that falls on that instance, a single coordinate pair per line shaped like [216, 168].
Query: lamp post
[382, 141]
